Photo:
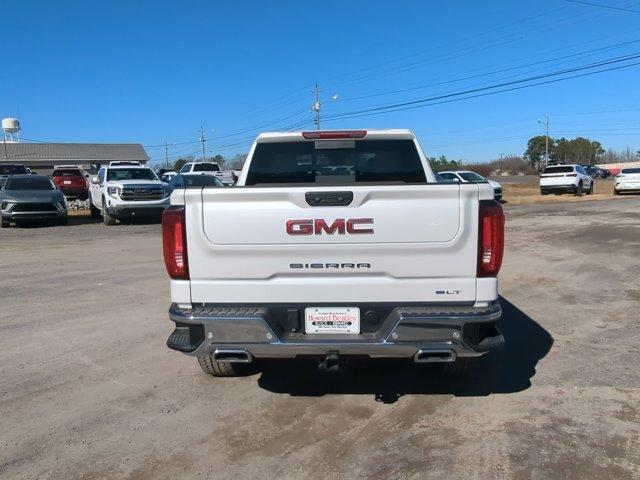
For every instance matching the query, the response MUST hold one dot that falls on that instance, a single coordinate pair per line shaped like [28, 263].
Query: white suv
[561, 179]
[127, 189]
[628, 180]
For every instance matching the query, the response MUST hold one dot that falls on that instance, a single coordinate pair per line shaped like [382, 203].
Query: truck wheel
[106, 218]
[590, 191]
[217, 368]
[460, 367]
[5, 224]
[95, 213]
[616, 192]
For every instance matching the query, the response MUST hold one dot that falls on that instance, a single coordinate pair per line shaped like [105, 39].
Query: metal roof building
[48, 154]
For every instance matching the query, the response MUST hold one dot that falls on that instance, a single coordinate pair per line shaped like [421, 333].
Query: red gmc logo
[319, 226]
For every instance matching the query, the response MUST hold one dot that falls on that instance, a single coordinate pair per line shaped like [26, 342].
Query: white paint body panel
[423, 249]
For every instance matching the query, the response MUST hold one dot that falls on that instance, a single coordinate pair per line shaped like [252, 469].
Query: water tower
[10, 129]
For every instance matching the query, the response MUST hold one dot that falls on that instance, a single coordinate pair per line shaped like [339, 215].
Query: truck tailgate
[420, 244]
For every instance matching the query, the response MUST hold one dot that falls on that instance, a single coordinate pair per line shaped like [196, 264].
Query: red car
[71, 181]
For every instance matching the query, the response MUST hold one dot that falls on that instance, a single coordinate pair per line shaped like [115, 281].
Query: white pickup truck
[210, 168]
[333, 244]
[126, 190]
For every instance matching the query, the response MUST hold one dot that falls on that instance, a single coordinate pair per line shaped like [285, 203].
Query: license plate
[67, 182]
[332, 320]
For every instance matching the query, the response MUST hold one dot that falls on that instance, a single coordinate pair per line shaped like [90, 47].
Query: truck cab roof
[394, 133]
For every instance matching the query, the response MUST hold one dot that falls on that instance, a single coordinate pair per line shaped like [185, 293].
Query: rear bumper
[558, 188]
[74, 192]
[407, 331]
[621, 187]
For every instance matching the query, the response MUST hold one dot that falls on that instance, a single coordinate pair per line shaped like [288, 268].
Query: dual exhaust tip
[232, 356]
[434, 356]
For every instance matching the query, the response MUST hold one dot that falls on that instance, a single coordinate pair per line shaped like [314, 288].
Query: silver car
[31, 197]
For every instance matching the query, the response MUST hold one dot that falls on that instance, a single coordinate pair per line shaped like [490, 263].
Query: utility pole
[546, 139]
[202, 140]
[166, 155]
[316, 105]
[501, 155]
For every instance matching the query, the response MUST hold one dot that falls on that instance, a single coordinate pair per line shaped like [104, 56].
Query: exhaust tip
[435, 356]
[232, 356]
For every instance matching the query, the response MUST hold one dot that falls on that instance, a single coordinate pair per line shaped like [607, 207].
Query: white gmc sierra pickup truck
[333, 244]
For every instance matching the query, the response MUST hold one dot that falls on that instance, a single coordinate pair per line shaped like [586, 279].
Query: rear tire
[217, 368]
[590, 191]
[579, 190]
[460, 367]
[616, 192]
[5, 224]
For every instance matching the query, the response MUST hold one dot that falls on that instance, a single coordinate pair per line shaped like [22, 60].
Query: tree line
[579, 150]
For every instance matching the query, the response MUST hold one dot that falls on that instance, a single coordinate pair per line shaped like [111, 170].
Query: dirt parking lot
[89, 390]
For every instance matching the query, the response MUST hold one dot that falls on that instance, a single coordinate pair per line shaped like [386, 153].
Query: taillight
[174, 243]
[490, 238]
[329, 134]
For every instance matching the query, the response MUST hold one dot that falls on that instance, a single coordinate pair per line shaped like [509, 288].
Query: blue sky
[154, 71]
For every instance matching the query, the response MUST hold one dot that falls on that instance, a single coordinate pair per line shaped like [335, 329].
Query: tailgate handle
[329, 199]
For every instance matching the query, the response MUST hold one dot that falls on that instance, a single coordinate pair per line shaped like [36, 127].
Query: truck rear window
[206, 167]
[327, 162]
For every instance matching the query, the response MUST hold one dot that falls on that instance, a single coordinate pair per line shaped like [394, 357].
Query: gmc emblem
[319, 226]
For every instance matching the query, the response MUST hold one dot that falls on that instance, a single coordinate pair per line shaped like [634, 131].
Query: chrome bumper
[406, 332]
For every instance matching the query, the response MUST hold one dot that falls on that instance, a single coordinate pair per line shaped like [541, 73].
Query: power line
[611, 7]
[415, 103]
[419, 87]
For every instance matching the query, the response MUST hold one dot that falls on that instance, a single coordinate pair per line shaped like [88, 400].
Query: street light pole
[546, 139]
[316, 105]
[501, 155]
[202, 140]
[166, 155]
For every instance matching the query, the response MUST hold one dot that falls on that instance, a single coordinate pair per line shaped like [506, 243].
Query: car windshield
[29, 183]
[472, 177]
[200, 181]
[206, 167]
[563, 169]
[66, 173]
[338, 162]
[131, 174]
[12, 170]
[630, 170]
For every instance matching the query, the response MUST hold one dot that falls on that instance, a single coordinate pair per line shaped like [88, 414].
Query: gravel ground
[89, 390]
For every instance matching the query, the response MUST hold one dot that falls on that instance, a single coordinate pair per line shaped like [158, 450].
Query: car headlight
[114, 191]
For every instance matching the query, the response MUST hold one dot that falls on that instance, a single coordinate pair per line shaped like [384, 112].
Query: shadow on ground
[506, 371]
